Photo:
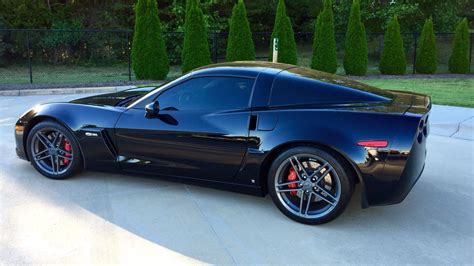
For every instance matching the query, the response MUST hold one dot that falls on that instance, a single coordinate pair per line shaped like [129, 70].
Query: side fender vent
[108, 143]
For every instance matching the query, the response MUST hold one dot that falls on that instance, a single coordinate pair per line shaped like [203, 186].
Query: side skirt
[233, 187]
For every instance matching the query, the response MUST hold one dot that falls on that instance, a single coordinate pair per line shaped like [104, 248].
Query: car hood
[121, 98]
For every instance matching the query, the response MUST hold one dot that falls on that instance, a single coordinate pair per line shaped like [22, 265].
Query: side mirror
[152, 108]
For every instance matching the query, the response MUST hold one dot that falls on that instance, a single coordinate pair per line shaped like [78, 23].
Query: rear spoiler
[420, 103]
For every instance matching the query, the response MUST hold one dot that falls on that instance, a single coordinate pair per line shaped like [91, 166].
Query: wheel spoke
[289, 183]
[307, 204]
[55, 164]
[57, 139]
[56, 135]
[323, 175]
[301, 202]
[332, 200]
[65, 157]
[41, 152]
[300, 166]
[65, 153]
[42, 158]
[287, 190]
[43, 139]
[318, 170]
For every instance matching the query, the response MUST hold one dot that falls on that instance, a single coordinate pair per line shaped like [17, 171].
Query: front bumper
[19, 141]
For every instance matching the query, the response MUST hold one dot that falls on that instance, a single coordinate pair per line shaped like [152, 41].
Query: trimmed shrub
[196, 47]
[426, 56]
[459, 60]
[149, 58]
[355, 51]
[324, 43]
[240, 43]
[393, 60]
[286, 38]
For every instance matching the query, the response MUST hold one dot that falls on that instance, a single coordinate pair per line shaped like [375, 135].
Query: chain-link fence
[65, 56]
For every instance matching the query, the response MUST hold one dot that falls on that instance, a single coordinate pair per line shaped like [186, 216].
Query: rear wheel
[53, 150]
[309, 185]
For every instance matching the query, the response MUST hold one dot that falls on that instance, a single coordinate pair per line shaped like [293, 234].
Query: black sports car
[304, 136]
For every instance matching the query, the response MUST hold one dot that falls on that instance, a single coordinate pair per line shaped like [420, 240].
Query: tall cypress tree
[196, 47]
[459, 60]
[355, 49]
[189, 4]
[240, 43]
[324, 43]
[286, 38]
[426, 56]
[149, 57]
[393, 60]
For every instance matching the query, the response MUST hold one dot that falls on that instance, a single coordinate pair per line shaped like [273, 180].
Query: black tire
[331, 169]
[70, 167]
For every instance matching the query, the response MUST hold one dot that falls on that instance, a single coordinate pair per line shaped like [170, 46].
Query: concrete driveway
[107, 218]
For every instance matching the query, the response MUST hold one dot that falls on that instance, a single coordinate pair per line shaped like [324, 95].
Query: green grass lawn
[69, 74]
[445, 91]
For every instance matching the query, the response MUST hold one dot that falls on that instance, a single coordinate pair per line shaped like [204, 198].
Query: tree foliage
[459, 60]
[324, 43]
[393, 60]
[240, 43]
[286, 38]
[426, 56]
[196, 47]
[149, 58]
[355, 49]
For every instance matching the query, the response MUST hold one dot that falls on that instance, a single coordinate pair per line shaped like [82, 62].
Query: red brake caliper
[67, 147]
[292, 177]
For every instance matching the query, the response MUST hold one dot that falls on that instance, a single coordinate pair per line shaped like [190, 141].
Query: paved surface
[107, 218]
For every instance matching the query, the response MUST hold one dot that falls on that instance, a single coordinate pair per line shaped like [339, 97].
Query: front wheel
[309, 185]
[53, 150]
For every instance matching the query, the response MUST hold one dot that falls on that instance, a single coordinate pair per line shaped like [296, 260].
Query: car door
[201, 130]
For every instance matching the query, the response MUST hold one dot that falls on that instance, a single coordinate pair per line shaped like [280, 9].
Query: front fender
[97, 149]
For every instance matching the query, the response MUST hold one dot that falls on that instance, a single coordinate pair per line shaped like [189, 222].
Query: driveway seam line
[459, 126]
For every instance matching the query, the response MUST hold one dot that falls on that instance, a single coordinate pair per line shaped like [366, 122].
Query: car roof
[253, 68]
[241, 68]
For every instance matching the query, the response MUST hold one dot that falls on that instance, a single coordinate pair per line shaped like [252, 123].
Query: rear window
[306, 86]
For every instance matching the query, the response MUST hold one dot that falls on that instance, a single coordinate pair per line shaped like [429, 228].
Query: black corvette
[304, 136]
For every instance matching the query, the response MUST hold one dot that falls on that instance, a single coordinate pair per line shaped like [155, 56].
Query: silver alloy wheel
[49, 152]
[317, 186]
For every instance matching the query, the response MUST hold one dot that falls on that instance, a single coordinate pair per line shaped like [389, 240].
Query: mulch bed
[413, 76]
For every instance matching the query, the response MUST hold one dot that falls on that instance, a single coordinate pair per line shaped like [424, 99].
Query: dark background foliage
[118, 14]
[104, 48]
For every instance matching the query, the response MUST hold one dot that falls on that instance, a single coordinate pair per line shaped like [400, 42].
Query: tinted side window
[208, 93]
[294, 89]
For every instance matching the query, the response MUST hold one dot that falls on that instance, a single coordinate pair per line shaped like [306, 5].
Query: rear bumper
[403, 167]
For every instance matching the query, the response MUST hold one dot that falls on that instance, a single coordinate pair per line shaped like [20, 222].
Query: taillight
[373, 143]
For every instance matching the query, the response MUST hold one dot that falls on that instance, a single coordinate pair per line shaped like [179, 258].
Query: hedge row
[149, 59]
